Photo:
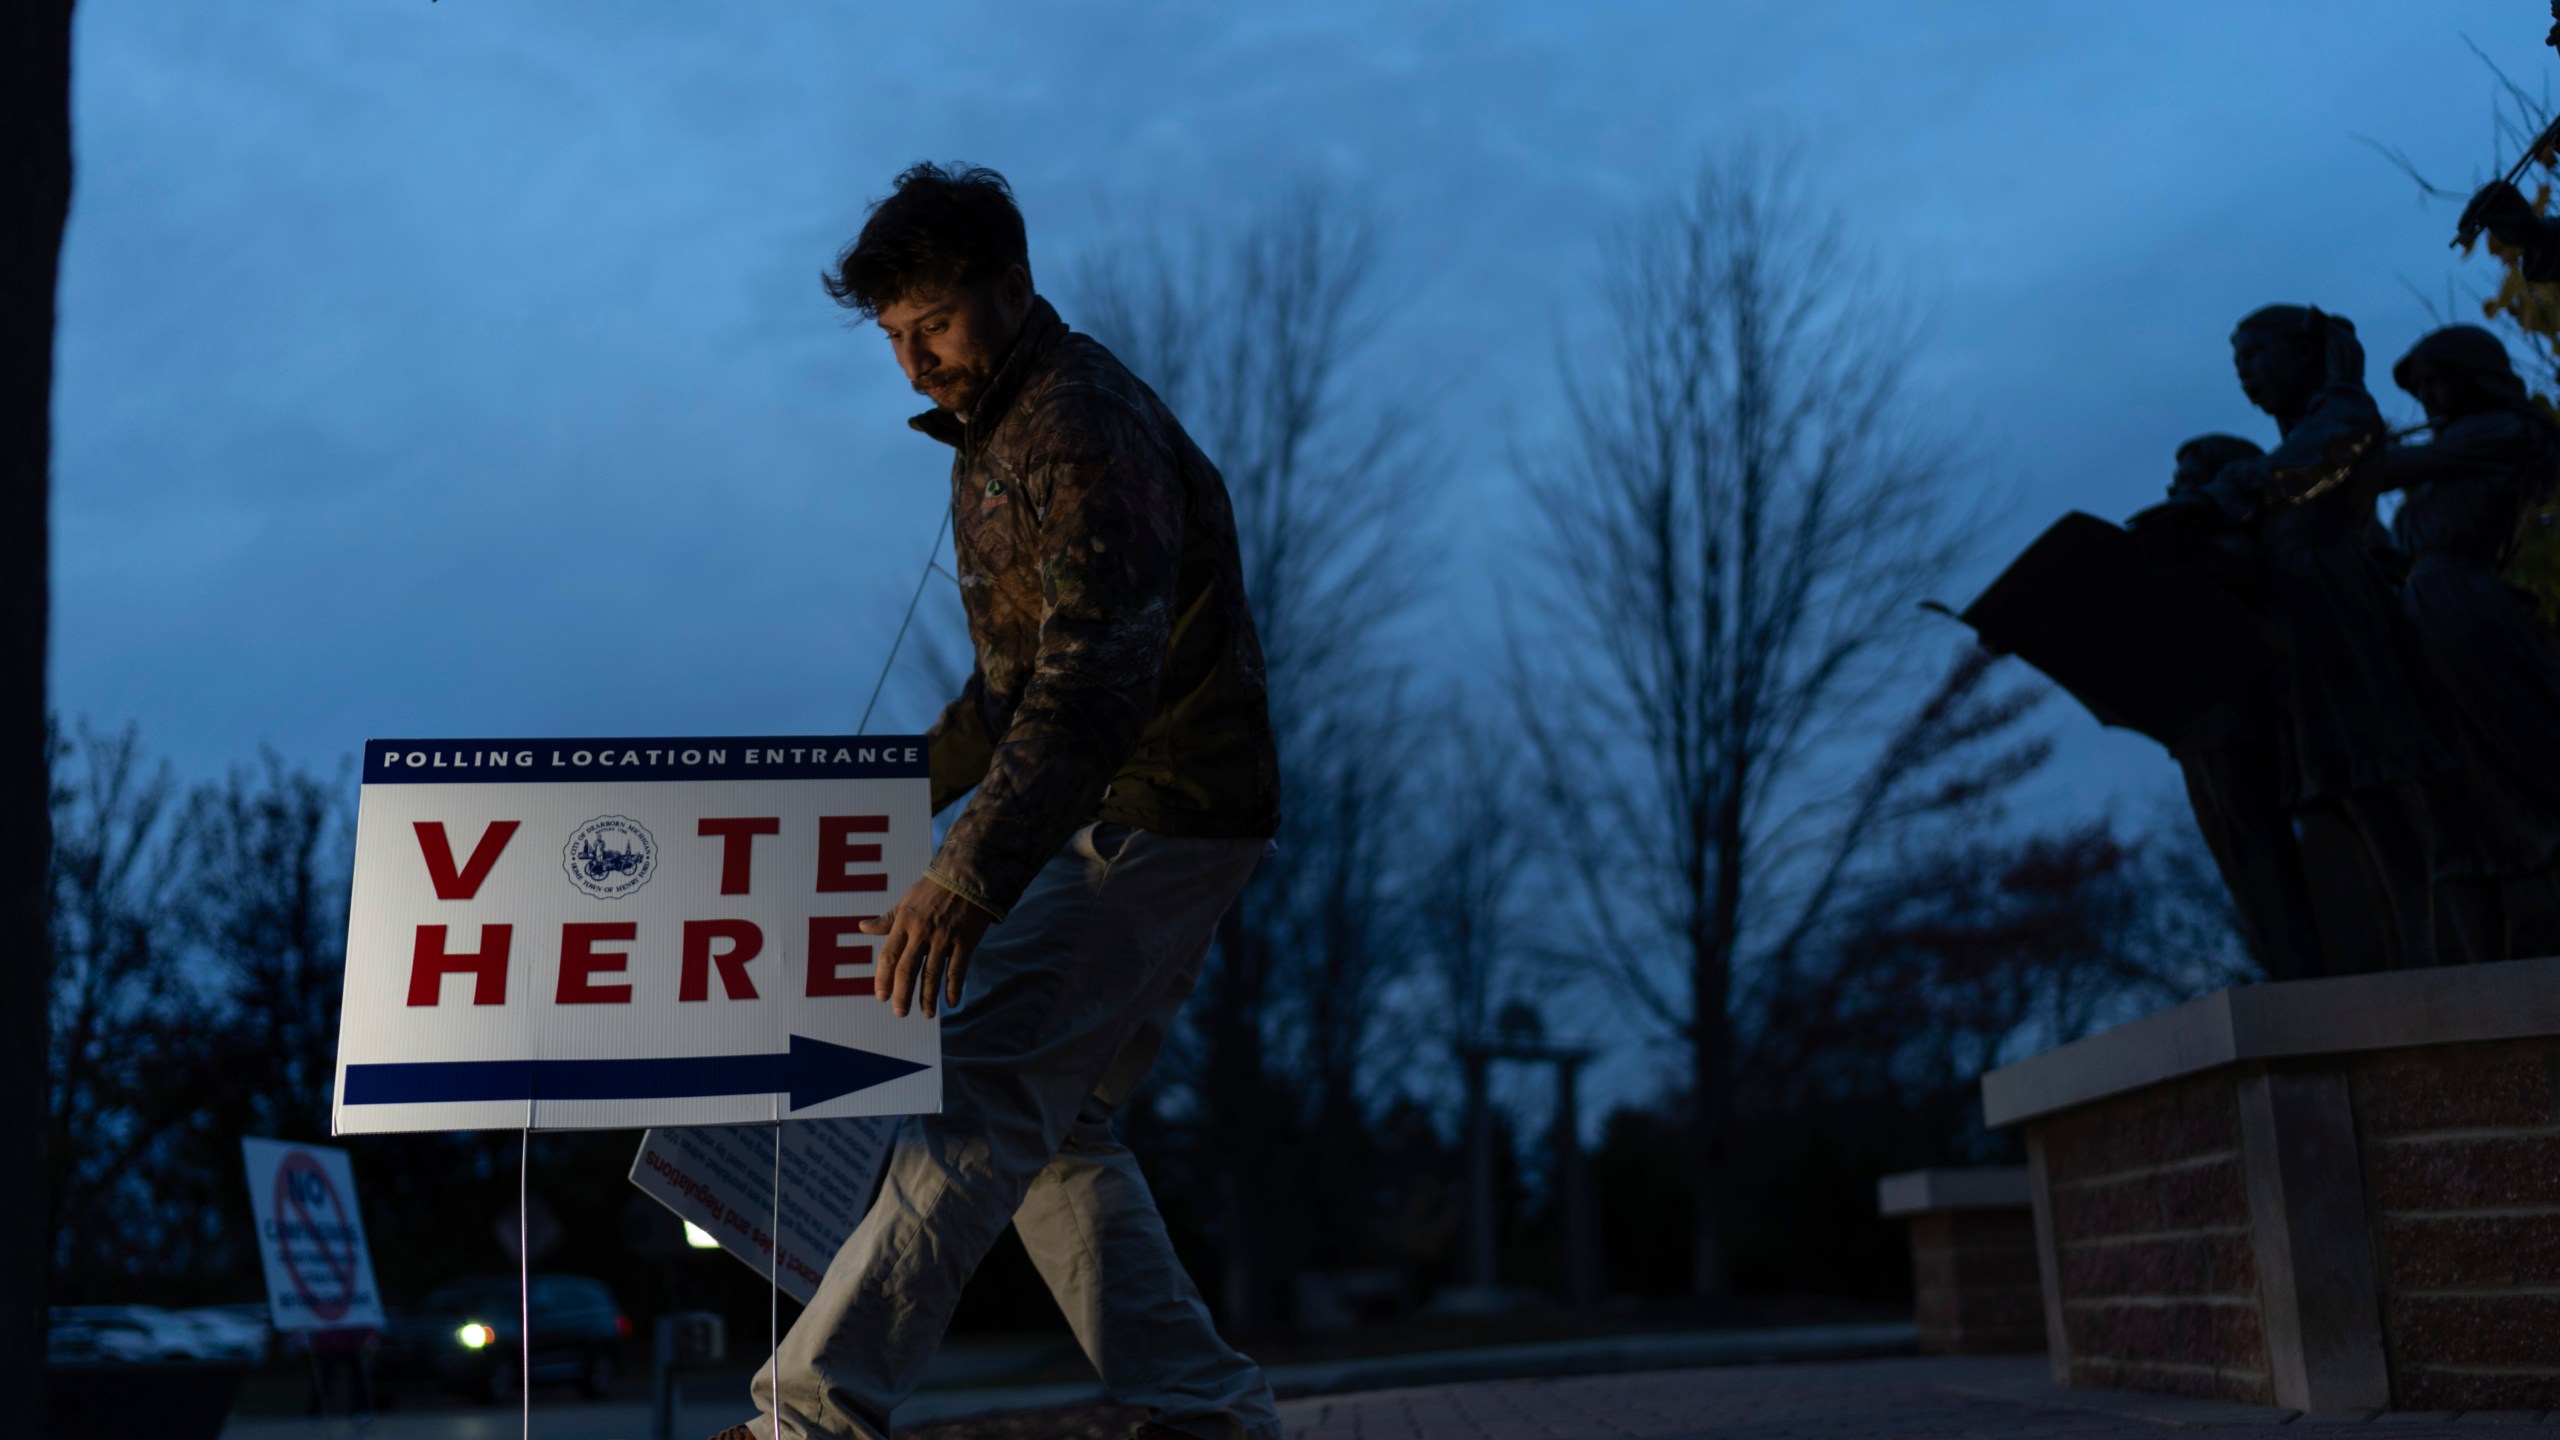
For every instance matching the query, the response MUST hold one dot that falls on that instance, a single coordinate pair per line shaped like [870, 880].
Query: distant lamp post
[1519, 1035]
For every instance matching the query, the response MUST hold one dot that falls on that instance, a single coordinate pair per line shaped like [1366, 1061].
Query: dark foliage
[1868, 1063]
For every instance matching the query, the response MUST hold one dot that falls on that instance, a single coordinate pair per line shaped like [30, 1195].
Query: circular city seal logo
[610, 856]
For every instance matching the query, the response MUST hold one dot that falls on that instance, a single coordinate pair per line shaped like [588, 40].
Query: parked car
[466, 1336]
[129, 1333]
[229, 1332]
[68, 1338]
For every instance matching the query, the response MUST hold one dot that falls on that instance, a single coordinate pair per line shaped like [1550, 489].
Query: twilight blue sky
[459, 368]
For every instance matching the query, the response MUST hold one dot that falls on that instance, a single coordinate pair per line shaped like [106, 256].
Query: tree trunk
[35, 98]
[1482, 1239]
[1711, 1276]
[1710, 1273]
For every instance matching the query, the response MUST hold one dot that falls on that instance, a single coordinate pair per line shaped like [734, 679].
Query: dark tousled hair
[941, 225]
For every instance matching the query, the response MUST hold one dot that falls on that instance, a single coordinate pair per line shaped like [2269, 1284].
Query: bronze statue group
[2386, 793]
[2368, 717]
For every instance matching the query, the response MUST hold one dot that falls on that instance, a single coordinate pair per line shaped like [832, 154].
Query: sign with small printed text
[310, 1237]
[721, 1182]
[615, 933]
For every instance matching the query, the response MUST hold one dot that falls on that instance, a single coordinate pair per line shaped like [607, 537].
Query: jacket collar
[1041, 330]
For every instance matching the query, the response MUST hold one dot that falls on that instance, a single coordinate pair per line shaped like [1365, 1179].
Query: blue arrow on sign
[812, 1071]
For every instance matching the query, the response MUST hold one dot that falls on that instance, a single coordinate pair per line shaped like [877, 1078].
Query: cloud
[460, 368]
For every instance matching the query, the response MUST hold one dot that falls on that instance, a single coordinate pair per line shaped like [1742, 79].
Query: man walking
[1115, 734]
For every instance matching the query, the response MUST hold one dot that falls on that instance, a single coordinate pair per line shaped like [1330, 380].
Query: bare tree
[35, 198]
[1253, 334]
[1335, 909]
[252, 1050]
[1469, 881]
[119, 870]
[1467, 890]
[1746, 509]
[272, 849]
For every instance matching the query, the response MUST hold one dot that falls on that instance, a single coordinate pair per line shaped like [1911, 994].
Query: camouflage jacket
[1117, 673]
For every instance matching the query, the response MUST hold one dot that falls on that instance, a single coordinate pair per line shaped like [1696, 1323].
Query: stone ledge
[2508, 1000]
[1979, 1187]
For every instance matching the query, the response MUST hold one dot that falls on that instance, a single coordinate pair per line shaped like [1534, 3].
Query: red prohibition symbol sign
[316, 1236]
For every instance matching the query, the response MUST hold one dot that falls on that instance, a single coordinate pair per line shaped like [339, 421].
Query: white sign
[607, 934]
[721, 1181]
[319, 1274]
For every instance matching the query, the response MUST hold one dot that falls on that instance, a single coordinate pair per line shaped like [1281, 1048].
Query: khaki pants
[1063, 1009]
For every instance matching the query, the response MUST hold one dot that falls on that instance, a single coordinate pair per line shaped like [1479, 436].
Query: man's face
[2274, 369]
[950, 342]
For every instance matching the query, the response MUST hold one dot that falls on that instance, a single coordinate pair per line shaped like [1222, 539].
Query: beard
[955, 388]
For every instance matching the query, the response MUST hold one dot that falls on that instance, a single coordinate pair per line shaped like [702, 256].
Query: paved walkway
[1983, 1399]
[958, 1384]
[1991, 1398]
[1597, 1355]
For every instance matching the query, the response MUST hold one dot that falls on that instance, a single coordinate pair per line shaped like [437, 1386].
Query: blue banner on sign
[748, 757]
[811, 1072]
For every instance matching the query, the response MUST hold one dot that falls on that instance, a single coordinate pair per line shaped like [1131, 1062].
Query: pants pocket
[1109, 842]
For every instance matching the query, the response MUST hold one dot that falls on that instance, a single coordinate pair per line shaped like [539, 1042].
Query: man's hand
[931, 933]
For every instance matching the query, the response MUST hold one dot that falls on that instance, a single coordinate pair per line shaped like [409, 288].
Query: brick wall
[1973, 1278]
[2461, 1149]
[2157, 1276]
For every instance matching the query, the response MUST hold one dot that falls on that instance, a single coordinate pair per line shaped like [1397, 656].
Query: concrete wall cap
[2452, 1005]
[1977, 1187]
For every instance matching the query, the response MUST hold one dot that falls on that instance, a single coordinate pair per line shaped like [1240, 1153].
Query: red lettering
[831, 950]
[738, 847]
[746, 942]
[837, 852]
[452, 884]
[430, 962]
[580, 960]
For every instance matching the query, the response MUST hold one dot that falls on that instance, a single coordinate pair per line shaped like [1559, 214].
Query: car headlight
[475, 1335]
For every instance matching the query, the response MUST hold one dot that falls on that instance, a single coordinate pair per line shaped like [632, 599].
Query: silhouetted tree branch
[1253, 334]
[119, 871]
